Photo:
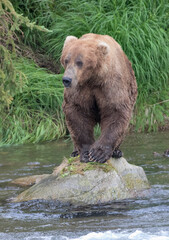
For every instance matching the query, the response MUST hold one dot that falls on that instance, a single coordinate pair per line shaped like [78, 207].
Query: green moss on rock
[74, 166]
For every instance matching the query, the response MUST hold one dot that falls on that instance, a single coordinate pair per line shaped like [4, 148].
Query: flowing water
[139, 219]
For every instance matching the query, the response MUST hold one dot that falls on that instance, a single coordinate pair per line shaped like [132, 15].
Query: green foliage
[12, 78]
[35, 113]
[39, 13]
[13, 21]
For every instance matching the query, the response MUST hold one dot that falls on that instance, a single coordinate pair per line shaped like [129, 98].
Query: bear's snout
[66, 81]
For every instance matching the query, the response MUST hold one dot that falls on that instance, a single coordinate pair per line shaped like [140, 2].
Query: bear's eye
[79, 63]
[66, 61]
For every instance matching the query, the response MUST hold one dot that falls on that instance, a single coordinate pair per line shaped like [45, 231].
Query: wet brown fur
[103, 91]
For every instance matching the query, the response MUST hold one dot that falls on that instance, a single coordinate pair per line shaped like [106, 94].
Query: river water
[139, 219]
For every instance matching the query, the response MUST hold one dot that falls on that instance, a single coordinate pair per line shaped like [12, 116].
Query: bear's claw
[100, 154]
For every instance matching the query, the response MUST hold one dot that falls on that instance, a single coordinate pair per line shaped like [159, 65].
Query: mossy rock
[89, 183]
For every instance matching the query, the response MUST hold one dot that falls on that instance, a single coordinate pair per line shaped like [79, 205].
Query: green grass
[35, 114]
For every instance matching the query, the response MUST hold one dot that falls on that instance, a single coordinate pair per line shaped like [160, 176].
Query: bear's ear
[103, 48]
[69, 39]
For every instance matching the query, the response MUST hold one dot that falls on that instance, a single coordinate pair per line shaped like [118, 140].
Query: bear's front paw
[100, 154]
[84, 157]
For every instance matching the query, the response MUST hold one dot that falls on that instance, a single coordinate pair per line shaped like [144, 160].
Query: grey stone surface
[94, 186]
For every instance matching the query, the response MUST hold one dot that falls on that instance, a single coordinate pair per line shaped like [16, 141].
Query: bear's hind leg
[75, 153]
[117, 153]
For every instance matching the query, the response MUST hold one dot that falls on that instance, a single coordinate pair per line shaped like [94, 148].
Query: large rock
[89, 183]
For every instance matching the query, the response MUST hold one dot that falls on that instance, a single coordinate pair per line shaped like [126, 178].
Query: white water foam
[110, 235]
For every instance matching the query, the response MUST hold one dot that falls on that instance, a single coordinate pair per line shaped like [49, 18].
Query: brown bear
[100, 87]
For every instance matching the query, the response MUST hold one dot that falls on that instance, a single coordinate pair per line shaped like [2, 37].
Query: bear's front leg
[113, 128]
[81, 128]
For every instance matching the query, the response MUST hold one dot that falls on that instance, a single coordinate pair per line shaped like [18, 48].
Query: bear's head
[82, 60]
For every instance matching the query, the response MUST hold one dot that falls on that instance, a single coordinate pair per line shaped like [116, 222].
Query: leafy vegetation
[35, 113]
[23, 115]
[31, 97]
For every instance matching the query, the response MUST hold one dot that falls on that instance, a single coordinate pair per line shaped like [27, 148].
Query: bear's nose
[67, 81]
